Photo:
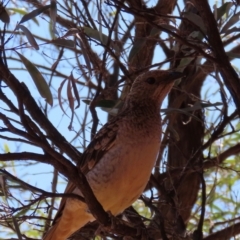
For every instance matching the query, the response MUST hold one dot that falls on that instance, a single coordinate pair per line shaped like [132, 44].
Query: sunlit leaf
[38, 79]
[18, 10]
[3, 186]
[6, 148]
[29, 36]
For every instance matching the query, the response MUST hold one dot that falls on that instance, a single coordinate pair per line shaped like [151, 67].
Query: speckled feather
[109, 153]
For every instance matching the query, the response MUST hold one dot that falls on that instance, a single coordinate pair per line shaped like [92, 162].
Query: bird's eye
[151, 80]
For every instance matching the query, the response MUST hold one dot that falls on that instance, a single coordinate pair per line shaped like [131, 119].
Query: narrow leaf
[38, 79]
[96, 35]
[21, 11]
[224, 9]
[184, 63]
[29, 36]
[59, 95]
[85, 54]
[75, 90]
[71, 32]
[100, 26]
[34, 13]
[18, 10]
[71, 102]
[99, 36]
[194, 18]
[234, 19]
[70, 96]
[53, 15]
[64, 42]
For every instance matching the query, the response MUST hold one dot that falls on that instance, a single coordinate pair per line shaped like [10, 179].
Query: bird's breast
[122, 174]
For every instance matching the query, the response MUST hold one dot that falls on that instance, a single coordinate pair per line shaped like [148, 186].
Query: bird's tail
[60, 231]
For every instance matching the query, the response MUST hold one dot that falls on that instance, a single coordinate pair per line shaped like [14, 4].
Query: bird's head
[153, 85]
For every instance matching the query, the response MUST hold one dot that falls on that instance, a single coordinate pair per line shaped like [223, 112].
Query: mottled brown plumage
[119, 160]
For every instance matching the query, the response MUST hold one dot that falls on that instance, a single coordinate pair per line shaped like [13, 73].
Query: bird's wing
[101, 143]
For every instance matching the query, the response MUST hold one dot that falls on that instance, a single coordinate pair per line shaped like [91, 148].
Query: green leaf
[234, 19]
[184, 63]
[34, 13]
[196, 19]
[29, 36]
[21, 12]
[96, 35]
[224, 9]
[53, 15]
[38, 79]
[99, 36]
[64, 42]
[6, 148]
[85, 54]
[18, 10]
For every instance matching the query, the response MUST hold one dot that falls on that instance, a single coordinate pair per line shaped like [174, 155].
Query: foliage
[64, 65]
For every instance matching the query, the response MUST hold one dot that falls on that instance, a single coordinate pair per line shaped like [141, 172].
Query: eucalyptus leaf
[196, 19]
[38, 79]
[99, 36]
[64, 42]
[34, 13]
[29, 36]
[53, 15]
[21, 11]
[224, 9]
[234, 19]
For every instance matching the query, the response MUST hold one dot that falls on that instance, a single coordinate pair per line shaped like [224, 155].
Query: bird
[119, 160]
